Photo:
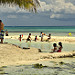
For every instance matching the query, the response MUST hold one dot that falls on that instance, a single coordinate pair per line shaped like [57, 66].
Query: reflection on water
[44, 46]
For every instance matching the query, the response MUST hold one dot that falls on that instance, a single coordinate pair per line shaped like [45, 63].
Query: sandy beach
[53, 38]
[37, 37]
[13, 55]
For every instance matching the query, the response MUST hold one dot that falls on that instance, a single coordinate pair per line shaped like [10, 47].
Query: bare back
[1, 26]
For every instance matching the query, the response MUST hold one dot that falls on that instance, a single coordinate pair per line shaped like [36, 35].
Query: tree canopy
[25, 4]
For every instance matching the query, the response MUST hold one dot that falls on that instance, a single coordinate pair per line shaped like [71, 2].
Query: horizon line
[41, 26]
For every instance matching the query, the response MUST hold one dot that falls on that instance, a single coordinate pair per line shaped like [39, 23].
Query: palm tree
[31, 5]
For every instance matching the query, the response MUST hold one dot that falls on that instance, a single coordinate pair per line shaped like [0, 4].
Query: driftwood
[58, 55]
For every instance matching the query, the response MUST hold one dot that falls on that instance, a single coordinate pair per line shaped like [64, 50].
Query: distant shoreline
[38, 26]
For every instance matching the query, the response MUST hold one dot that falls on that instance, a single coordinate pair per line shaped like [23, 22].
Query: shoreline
[67, 39]
[13, 55]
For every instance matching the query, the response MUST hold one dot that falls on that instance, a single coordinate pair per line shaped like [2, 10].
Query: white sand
[12, 55]
[53, 38]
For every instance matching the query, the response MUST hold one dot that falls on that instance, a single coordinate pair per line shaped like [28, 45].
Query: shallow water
[44, 46]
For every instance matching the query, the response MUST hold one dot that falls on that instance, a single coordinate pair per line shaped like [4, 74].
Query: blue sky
[51, 13]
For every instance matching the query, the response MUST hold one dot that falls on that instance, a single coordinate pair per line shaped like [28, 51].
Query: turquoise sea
[54, 30]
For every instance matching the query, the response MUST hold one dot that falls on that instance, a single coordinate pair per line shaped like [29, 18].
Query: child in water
[41, 35]
[6, 33]
[60, 47]
[35, 38]
[20, 38]
[49, 37]
[55, 47]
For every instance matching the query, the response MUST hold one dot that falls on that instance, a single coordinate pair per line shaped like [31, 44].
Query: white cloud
[12, 8]
[44, 7]
[7, 9]
[58, 6]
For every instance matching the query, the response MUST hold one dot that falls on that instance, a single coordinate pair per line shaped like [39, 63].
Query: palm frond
[25, 4]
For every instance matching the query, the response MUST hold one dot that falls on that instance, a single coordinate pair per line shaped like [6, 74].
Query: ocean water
[54, 30]
[35, 30]
[45, 47]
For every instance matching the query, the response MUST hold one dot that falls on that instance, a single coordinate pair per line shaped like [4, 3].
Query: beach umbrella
[30, 5]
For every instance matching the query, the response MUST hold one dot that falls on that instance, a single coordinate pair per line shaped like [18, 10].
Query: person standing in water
[49, 37]
[35, 38]
[6, 33]
[42, 36]
[20, 38]
[29, 38]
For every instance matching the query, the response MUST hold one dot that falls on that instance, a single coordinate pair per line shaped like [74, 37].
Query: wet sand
[13, 55]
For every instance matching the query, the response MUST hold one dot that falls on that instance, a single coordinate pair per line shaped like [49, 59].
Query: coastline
[13, 55]
[69, 39]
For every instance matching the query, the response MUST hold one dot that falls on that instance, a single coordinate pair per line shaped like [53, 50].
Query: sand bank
[12, 55]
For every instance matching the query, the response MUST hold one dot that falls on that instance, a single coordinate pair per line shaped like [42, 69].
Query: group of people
[29, 37]
[57, 48]
[42, 34]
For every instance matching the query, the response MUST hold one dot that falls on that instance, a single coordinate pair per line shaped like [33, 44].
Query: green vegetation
[25, 4]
